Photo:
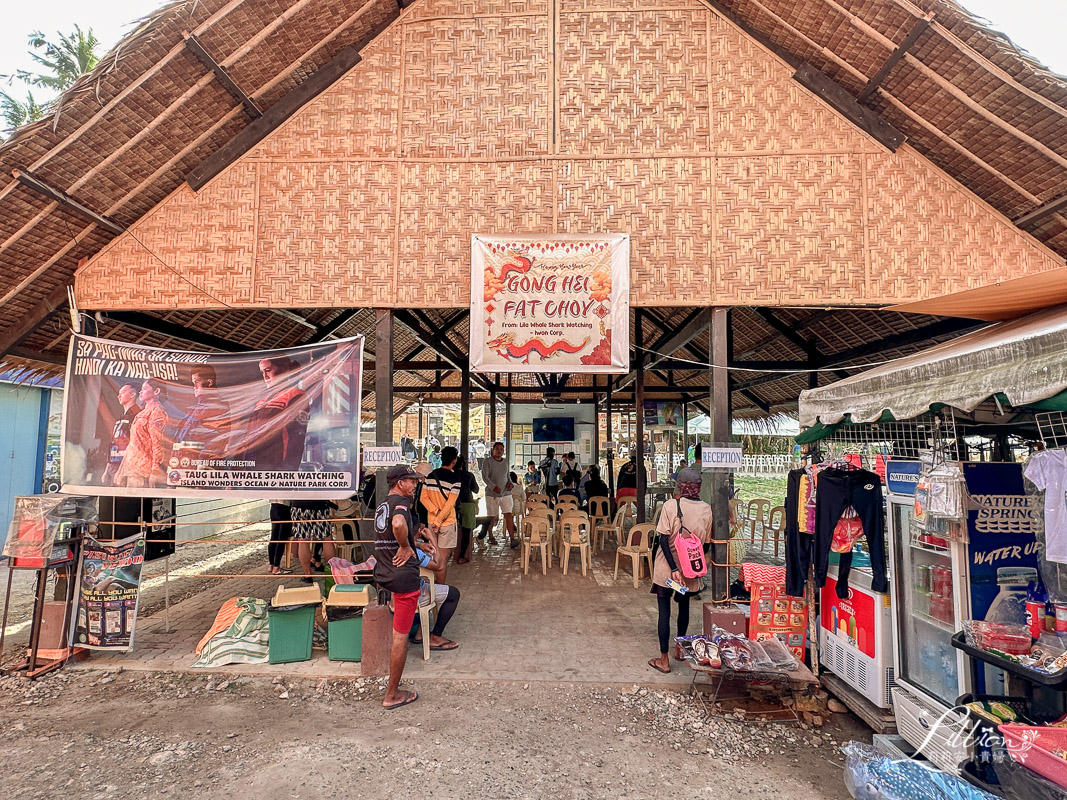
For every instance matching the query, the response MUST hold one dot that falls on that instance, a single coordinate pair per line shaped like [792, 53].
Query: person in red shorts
[398, 571]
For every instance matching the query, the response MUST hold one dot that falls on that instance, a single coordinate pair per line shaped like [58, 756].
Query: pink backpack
[690, 550]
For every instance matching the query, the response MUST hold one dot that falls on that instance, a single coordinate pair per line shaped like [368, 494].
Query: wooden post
[465, 414]
[719, 397]
[596, 428]
[639, 408]
[685, 431]
[508, 449]
[611, 438]
[422, 432]
[383, 392]
[492, 418]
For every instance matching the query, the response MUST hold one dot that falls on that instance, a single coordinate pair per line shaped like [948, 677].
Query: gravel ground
[124, 735]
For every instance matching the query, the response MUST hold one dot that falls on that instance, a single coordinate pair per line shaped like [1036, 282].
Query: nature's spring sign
[550, 303]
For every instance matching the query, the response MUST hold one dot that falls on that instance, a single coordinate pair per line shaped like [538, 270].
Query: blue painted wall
[22, 441]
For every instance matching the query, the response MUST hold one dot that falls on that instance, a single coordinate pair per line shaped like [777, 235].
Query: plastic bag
[760, 659]
[872, 775]
[779, 654]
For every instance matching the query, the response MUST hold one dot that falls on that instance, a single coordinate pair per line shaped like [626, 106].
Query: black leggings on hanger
[281, 528]
[837, 490]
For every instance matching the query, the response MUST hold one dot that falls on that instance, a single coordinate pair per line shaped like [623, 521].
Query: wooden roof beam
[436, 342]
[669, 343]
[838, 98]
[228, 83]
[1042, 211]
[334, 325]
[62, 198]
[12, 336]
[830, 55]
[147, 322]
[59, 359]
[950, 88]
[277, 114]
[902, 48]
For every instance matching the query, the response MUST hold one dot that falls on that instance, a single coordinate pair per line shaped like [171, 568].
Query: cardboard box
[729, 618]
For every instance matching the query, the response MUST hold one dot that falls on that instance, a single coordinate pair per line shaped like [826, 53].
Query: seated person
[446, 597]
[595, 486]
[569, 489]
[532, 477]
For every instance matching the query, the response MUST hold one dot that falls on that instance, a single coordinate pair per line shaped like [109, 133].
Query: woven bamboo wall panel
[597, 5]
[437, 9]
[356, 117]
[929, 236]
[443, 204]
[664, 204]
[326, 232]
[633, 82]
[758, 107]
[209, 238]
[476, 88]
[789, 228]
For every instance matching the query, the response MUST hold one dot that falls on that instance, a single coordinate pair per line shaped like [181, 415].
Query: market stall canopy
[1023, 362]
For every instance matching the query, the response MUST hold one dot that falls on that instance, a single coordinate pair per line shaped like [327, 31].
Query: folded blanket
[244, 641]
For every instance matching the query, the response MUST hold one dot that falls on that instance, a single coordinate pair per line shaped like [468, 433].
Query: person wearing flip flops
[446, 597]
[498, 493]
[695, 515]
[397, 570]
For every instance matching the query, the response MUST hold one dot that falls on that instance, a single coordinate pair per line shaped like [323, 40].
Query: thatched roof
[127, 134]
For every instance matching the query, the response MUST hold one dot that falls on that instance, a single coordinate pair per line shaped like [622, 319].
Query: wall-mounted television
[553, 429]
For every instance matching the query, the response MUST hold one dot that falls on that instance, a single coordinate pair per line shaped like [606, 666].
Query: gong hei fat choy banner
[144, 421]
[550, 303]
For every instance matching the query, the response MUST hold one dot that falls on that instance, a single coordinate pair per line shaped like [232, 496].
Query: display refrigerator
[938, 581]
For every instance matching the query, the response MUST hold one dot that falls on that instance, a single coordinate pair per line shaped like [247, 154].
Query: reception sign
[147, 422]
[550, 303]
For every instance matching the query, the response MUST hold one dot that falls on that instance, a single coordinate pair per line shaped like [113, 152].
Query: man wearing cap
[398, 571]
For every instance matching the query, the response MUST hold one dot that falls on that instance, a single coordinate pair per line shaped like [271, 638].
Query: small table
[800, 678]
[660, 492]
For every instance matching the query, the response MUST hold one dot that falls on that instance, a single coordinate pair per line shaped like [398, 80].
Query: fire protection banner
[147, 422]
[550, 303]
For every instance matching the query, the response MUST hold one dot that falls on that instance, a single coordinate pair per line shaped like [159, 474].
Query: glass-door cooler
[929, 600]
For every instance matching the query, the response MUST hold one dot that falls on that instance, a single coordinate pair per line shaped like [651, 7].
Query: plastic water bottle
[1009, 606]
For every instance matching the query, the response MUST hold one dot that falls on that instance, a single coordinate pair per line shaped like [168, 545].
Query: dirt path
[124, 735]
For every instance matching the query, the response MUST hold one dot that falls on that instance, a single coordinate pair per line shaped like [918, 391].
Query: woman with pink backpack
[680, 564]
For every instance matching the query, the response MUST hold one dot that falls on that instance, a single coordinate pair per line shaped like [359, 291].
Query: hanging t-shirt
[1047, 470]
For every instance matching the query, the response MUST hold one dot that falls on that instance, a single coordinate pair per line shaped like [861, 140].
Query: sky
[1039, 26]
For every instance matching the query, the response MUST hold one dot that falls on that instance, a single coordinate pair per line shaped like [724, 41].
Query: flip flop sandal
[449, 645]
[652, 663]
[411, 697]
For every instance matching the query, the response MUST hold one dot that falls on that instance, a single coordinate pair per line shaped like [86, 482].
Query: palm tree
[63, 63]
[17, 113]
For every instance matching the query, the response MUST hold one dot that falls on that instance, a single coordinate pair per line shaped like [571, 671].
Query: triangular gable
[737, 185]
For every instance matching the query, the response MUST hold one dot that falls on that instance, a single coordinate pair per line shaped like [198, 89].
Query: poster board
[150, 422]
[550, 303]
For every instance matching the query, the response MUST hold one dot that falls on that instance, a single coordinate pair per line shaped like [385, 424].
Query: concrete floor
[510, 626]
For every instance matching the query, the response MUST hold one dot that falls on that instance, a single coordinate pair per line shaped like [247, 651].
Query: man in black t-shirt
[397, 570]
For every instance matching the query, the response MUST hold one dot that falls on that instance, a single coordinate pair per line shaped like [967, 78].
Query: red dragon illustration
[523, 266]
[505, 346]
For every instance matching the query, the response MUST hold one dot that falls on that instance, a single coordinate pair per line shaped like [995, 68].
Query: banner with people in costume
[148, 422]
[550, 303]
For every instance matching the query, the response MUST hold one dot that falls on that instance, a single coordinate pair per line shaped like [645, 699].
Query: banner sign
[903, 476]
[663, 413]
[720, 459]
[146, 422]
[550, 303]
[374, 457]
[108, 592]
